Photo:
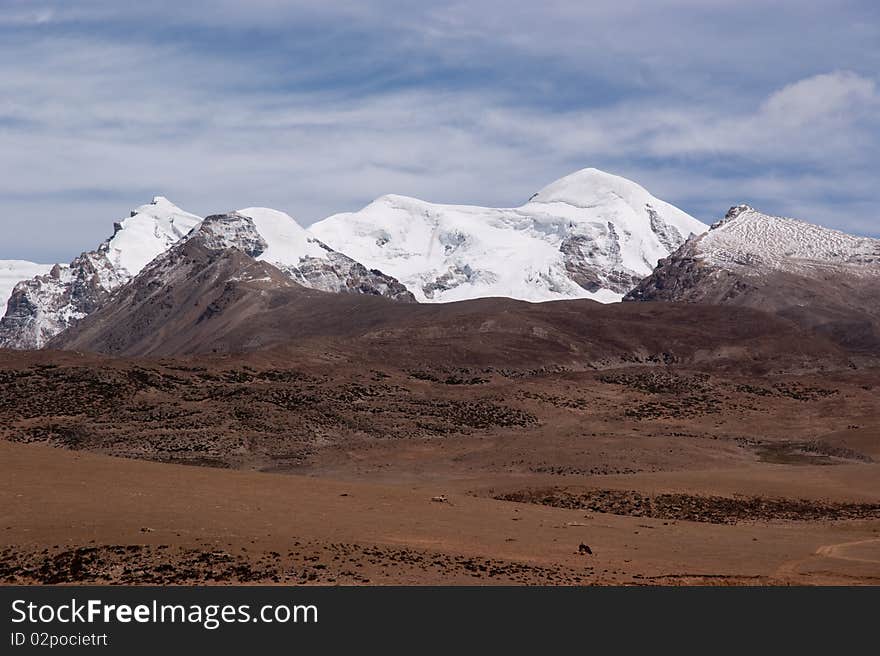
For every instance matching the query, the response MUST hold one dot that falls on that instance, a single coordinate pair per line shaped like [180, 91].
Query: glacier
[590, 234]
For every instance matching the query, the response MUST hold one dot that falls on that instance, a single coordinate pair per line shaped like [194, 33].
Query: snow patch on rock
[13, 272]
[276, 238]
[753, 242]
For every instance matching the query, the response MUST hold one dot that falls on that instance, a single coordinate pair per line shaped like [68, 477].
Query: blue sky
[319, 107]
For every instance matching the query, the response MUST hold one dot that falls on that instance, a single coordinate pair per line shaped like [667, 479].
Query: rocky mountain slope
[220, 278]
[14, 271]
[822, 279]
[275, 237]
[202, 297]
[588, 235]
[43, 306]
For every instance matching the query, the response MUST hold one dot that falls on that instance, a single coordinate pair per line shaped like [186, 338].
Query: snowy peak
[822, 279]
[45, 305]
[615, 199]
[286, 241]
[736, 210]
[591, 187]
[149, 230]
[748, 238]
[588, 235]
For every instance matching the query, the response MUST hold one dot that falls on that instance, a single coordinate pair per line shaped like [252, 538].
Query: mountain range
[169, 279]
[589, 235]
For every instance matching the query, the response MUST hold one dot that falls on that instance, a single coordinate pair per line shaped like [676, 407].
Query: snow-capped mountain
[47, 304]
[588, 235]
[822, 278]
[752, 242]
[43, 306]
[276, 238]
[225, 277]
[753, 245]
[13, 272]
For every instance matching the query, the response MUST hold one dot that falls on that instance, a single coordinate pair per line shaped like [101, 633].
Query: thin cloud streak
[464, 104]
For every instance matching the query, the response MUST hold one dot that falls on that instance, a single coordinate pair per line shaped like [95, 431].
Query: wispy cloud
[319, 107]
[25, 17]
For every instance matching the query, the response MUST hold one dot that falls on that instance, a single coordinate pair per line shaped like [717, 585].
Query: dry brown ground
[326, 473]
[152, 522]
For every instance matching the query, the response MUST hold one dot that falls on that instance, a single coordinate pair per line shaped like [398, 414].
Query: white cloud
[313, 156]
[212, 129]
[816, 118]
[26, 17]
[842, 93]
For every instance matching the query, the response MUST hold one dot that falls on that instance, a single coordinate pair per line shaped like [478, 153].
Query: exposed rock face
[586, 258]
[274, 237]
[43, 306]
[453, 277]
[685, 276]
[667, 233]
[822, 279]
[221, 231]
[13, 272]
[339, 273]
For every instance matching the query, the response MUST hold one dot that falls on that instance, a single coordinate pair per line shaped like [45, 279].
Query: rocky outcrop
[667, 233]
[586, 259]
[220, 231]
[13, 272]
[340, 273]
[44, 306]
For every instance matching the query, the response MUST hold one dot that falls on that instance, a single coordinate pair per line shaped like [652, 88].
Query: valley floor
[632, 476]
[172, 524]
